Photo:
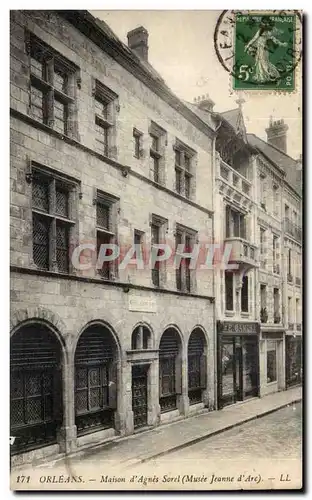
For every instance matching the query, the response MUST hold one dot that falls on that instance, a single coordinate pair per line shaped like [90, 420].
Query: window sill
[229, 313]
[272, 382]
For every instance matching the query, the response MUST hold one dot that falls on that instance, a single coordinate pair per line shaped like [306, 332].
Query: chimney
[137, 41]
[204, 102]
[277, 134]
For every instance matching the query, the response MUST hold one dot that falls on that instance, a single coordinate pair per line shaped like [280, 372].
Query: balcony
[292, 229]
[242, 253]
[234, 178]
[291, 326]
[290, 278]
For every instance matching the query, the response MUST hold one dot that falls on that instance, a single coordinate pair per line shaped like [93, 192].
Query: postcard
[156, 250]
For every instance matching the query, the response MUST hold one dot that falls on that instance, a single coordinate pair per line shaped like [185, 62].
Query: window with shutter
[95, 380]
[36, 406]
[196, 366]
[170, 370]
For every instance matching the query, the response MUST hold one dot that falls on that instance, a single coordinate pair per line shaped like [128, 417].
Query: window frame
[53, 63]
[104, 120]
[245, 298]
[184, 172]
[229, 274]
[54, 219]
[109, 201]
[269, 349]
[185, 275]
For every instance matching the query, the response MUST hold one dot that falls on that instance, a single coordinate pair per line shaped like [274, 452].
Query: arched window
[141, 338]
[36, 391]
[170, 370]
[95, 380]
[197, 366]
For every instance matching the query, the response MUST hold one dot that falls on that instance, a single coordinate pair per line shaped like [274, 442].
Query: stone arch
[171, 348]
[197, 365]
[148, 335]
[37, 358]
[38, 313]
[97, 361]
[172, 326]
[104, 324]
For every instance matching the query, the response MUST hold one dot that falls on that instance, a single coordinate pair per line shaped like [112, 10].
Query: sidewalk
[150, 444]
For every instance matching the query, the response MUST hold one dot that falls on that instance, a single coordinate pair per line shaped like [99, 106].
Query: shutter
[178, 375]
[169, 344]
[34, 346]
[112, 388]
[95, 346]
[203, 371]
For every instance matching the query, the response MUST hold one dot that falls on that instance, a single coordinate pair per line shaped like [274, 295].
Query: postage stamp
[261, 51]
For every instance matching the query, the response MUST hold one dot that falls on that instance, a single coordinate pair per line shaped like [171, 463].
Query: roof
[205, 116]
[232, 116]
[282, 160]
[102, 35]
[235, 118]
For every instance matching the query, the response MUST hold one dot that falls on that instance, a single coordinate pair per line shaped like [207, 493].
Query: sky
[181, 49]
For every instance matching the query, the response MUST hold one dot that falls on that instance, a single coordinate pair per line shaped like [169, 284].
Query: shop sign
[238, 328]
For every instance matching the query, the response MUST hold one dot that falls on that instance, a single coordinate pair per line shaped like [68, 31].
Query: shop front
[238, 361]
[293, 365]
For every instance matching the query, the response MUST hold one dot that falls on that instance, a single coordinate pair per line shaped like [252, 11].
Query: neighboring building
[103, 152]
[238, 326]
[258, 212]
[279, 208]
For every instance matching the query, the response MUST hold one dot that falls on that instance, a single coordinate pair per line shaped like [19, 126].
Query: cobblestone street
[277, 435]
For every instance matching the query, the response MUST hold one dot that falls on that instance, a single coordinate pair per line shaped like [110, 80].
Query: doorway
[139, 395]
[238, 369]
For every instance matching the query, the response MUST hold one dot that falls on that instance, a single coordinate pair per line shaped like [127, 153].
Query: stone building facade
[279, 210]
[258, 303]
[103, 153]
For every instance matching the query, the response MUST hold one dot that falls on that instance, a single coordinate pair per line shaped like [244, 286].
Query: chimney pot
[138, 42]
[277, 134]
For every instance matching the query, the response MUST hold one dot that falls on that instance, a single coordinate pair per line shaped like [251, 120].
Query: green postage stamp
[265, 52]
[261, 51]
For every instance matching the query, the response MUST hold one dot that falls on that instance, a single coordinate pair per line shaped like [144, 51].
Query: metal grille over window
[40, 194]
[102, 215]
[61, 202]
[41, 241]
[196, 366]
[169, 370]
[51, 223]
[35, 388]
[62, 247]
[95, 380]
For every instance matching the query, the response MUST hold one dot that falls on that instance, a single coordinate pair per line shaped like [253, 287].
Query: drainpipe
[215, 343]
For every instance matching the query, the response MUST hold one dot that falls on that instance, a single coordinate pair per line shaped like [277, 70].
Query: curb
[213, 433]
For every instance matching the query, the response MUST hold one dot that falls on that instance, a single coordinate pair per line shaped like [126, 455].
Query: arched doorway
[170, 370]
[36, 387]
[197, 366]
[95, 379]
